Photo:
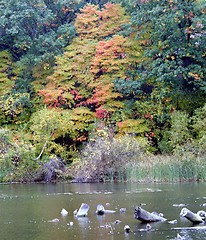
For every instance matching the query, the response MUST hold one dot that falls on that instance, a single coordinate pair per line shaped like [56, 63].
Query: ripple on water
[56, 194]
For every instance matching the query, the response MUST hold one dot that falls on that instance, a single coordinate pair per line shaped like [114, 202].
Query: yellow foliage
[97, 24]
[7, 74]
[133, 126]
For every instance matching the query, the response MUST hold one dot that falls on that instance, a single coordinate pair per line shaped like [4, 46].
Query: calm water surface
[25, 210]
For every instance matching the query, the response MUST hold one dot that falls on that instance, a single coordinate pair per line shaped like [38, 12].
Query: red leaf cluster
[101, 113]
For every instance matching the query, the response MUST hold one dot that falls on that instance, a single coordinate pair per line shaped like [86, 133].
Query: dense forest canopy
[71, 69]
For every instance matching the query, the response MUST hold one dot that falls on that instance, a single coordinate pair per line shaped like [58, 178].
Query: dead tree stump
[145, 216]
[193, 217]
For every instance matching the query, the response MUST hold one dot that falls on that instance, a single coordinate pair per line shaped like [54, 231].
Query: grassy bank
[153, 169]
[125, 159]
[105, 158]
[167, 169]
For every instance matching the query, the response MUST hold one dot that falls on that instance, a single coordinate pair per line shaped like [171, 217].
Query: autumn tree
[77, 71]
[85, 73]
[68, 86]
[98, 24]
[13, 105]
[110, 61]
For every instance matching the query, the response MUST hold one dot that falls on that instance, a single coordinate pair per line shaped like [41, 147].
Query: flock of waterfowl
[142, 215]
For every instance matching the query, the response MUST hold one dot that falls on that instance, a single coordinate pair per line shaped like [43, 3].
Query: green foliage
[170, 74]
[189, 101]
[55, 131]
[138, 127]
[8, 154]
[186, 133]
[37, 28]
[82, 119]
[179, 132]
[46, 125]
[39, 73]
[7, 72]
[16, 157]
[15, 108]
[199, 121]
[176, 46]
[199, 128]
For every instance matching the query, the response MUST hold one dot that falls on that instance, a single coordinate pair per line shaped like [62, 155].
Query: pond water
[26, 210]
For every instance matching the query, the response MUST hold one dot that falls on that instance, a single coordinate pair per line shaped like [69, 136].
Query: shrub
[51, 171]
[106, 158]
[199, 128]
[16, 158]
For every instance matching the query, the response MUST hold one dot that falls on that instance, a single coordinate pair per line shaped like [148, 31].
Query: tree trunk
[83, 210]
[100, 210]
[145, 216]
[193, 217]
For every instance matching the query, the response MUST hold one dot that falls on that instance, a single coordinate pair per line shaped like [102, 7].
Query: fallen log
[202, 214]
[101, 210]
[145, 216]
[83, 210]
[191, 216]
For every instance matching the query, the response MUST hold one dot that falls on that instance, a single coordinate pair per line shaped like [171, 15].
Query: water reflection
[26, 209]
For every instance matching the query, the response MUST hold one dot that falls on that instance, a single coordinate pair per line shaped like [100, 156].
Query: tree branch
[42, 151]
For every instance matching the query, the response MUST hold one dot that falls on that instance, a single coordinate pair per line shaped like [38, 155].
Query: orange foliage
[102, 94]
[109, 62]
[148, 116]
[87, 22]
[110, 56]
[52, 97]
[84, 73]
[136, 126]
[96, 24]
[112, 19]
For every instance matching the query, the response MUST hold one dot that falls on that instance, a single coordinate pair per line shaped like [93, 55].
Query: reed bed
[167, 169]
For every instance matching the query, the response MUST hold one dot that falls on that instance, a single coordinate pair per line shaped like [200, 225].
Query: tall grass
[124, 159]
[167, 169]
